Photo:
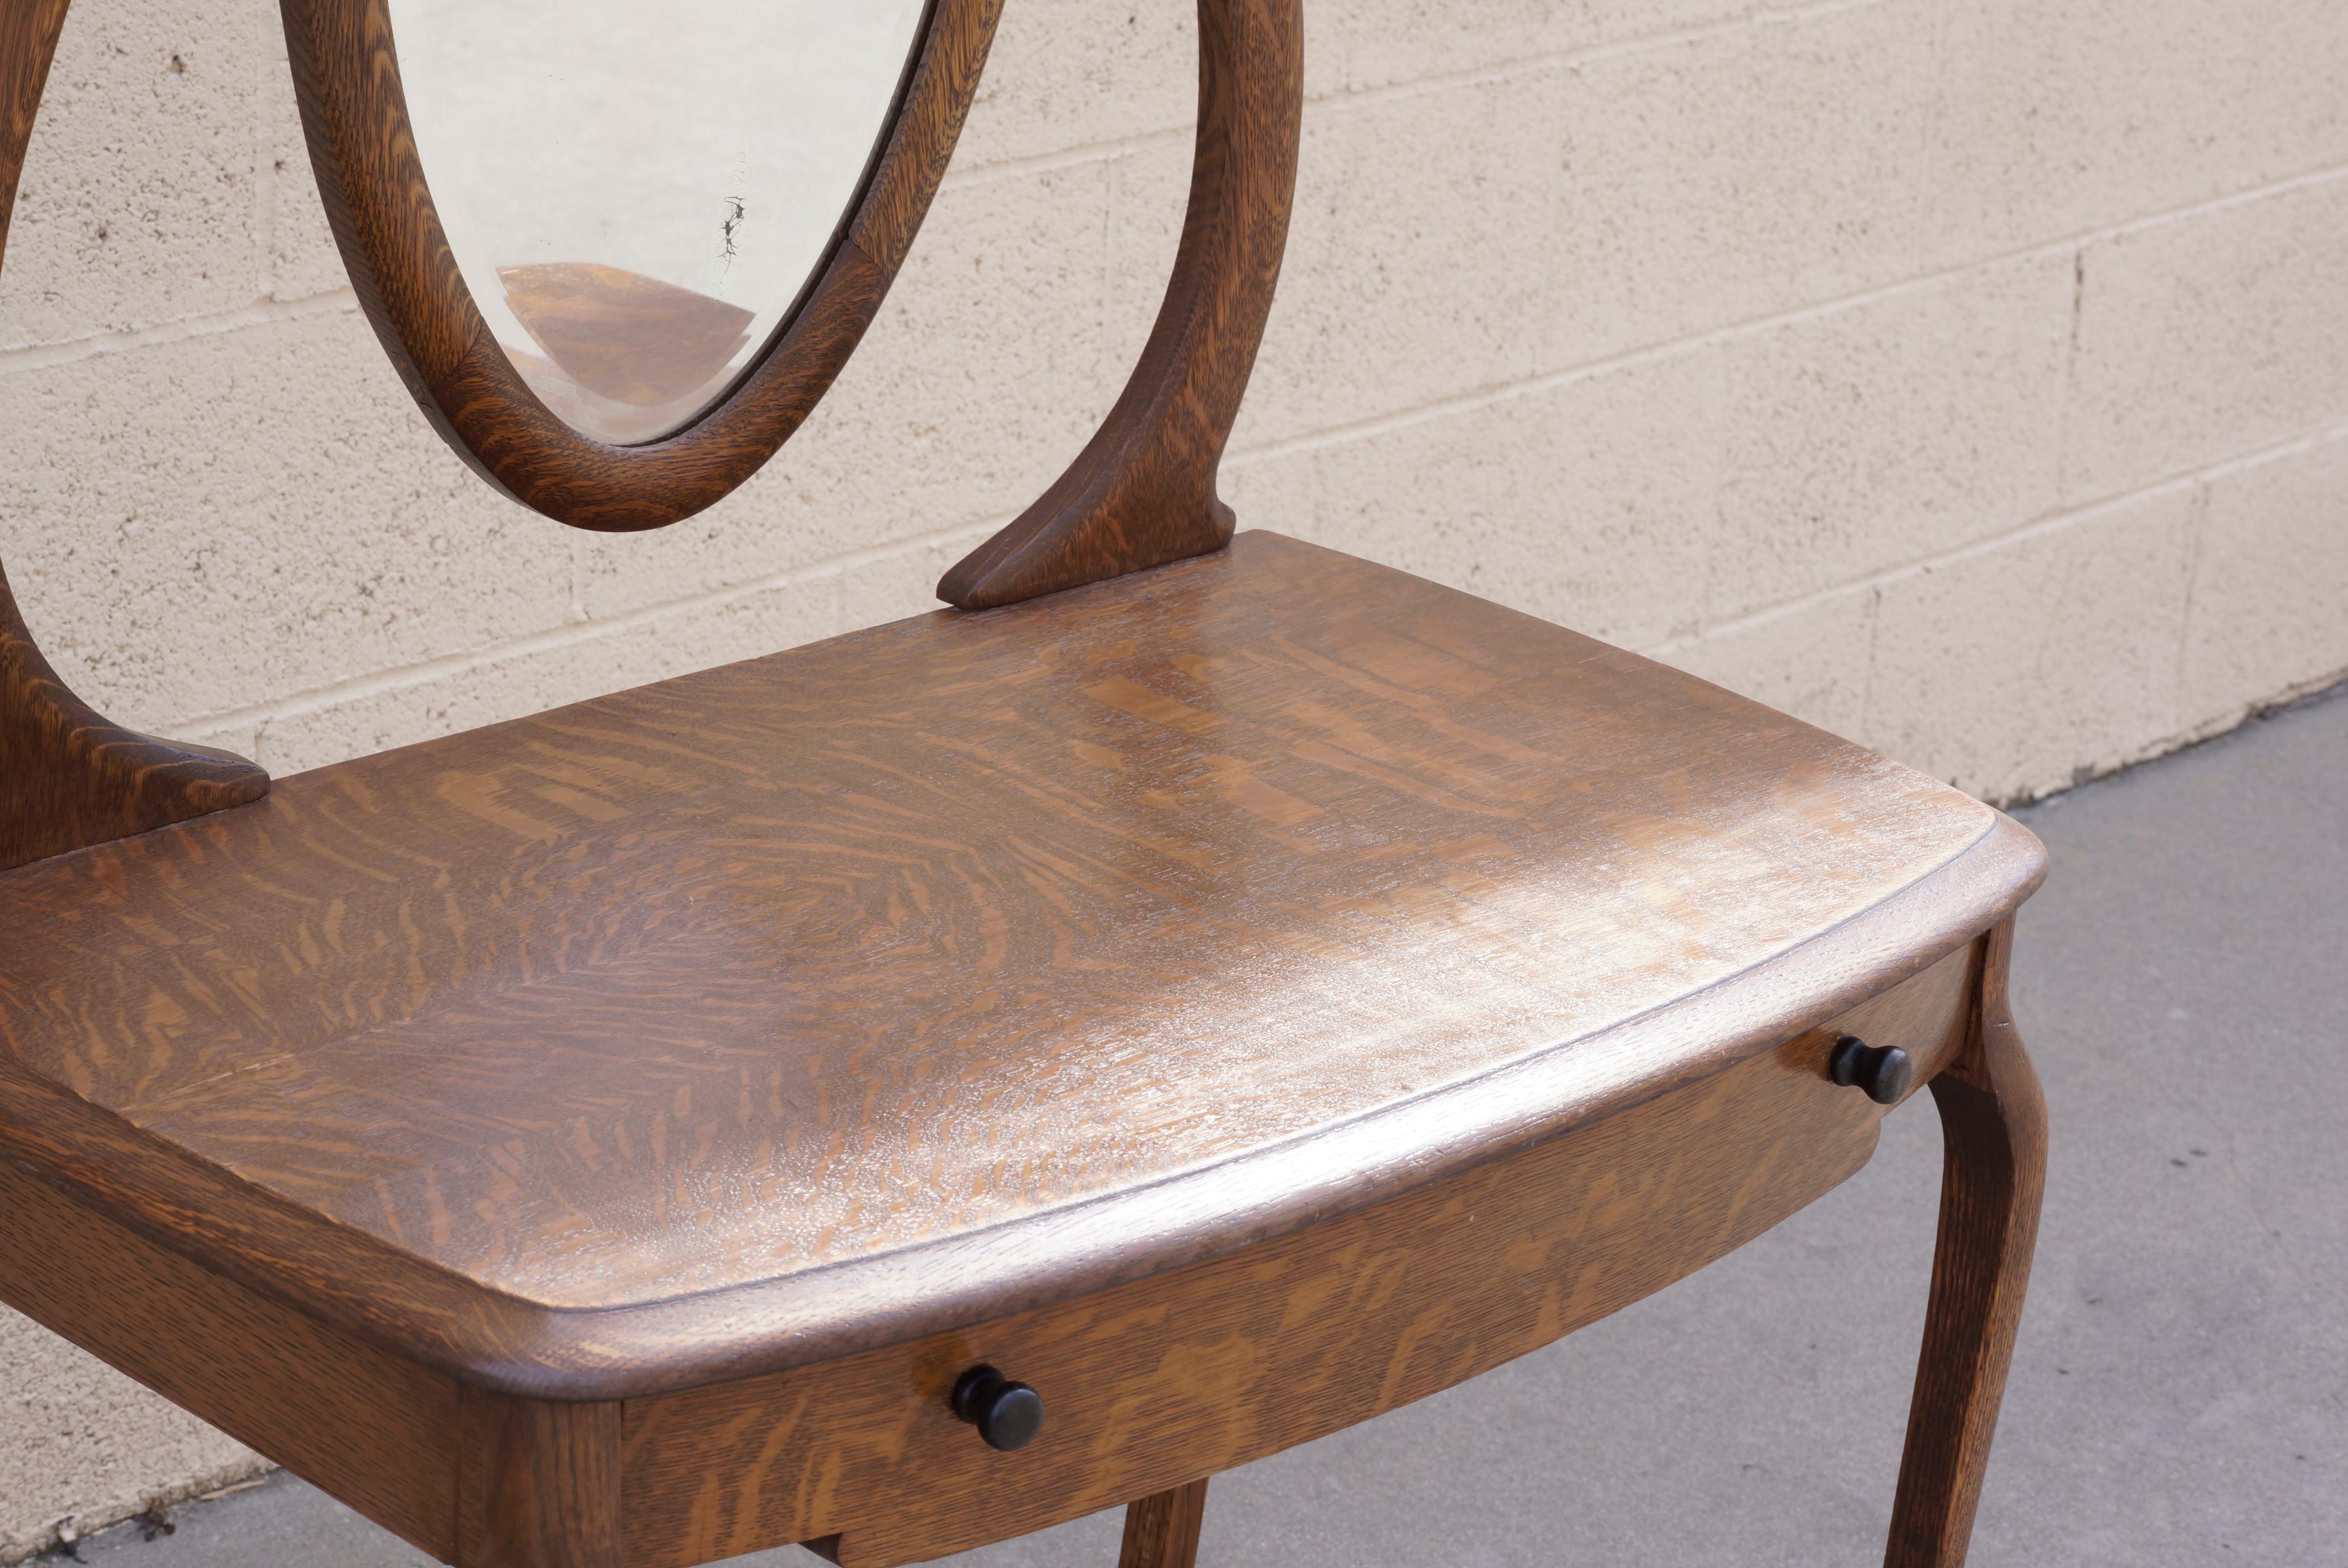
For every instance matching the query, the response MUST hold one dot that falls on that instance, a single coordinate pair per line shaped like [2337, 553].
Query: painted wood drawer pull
[1882, 1071]
[1008, 1415]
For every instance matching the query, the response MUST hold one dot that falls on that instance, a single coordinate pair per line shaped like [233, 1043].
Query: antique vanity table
[901, 1093]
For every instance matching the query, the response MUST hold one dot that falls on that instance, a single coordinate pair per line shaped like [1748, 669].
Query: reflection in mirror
[636, 194]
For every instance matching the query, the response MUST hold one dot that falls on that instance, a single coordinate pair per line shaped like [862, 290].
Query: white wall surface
[1969, 376]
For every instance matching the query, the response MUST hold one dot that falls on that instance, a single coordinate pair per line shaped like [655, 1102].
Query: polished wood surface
[1143, 491]
[1994, 1142]
[539, 1485]
[378, 197]
[1163, 1378]
[1177, 1376]
[1237, 998]
[1162, 1531]
[938, 969]
[68, 777]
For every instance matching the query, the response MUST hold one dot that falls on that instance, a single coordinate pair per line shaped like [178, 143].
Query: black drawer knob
[1882, 1071]
[1008, 1415]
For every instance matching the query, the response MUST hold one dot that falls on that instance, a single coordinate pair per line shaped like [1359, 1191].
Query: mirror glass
[638, 193]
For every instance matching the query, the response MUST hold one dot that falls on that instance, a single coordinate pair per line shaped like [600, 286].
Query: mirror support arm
[1143, 491]
[68, 778]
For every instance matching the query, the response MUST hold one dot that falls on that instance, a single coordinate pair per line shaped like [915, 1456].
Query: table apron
[1184, 1374]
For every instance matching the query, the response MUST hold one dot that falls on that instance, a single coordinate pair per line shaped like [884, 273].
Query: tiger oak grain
[1238, 996]
[1188, 1374]
[791, 973]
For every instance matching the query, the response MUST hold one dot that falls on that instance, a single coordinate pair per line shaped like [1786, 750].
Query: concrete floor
[2180, 1392]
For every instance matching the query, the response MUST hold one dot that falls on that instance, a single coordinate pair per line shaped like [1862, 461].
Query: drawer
[1927, 1016]
[1196, 1370]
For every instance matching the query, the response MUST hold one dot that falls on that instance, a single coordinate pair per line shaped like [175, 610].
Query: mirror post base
[68, 779]
[1142, 493]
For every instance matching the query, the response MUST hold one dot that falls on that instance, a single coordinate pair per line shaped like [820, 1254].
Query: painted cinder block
[1587, 503]
[1148, 195]
[585, 659]
[1720, 330]
[570, 665]
[138, 204]
[1276, 491]
[2057, 118]
[1409, 278]
[889, 585]
[1067, 75]
[238, 516]
[1730, 176]
[2270, 611]
[983, 376]
[1890, 432]
[301, 257]
[2017, 667]
[1810, 658]
[78, 1439]
[1384, 43]
[2209, 337]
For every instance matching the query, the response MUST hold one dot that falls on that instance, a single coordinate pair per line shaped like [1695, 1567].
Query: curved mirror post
[637, 195]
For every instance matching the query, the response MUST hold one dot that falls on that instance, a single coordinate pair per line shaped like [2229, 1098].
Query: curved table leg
[1162, 1532]
[1993, 1123]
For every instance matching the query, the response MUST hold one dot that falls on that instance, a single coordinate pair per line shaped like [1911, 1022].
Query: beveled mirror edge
[378, 201]
[73, 778]
[1143, 491]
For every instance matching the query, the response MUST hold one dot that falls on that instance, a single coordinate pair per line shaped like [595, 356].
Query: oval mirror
[619, 250]
[637, 194]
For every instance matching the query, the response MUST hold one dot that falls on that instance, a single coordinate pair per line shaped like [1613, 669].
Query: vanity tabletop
[932, 969]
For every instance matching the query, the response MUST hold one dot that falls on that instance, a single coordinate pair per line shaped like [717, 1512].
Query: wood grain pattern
[1162, 1531]
[1929, 1017]
[1613, 1209]
[68, 777]
[1993, 1174]
[1143, 491]
[378, 199]
[1164, 1379]
[540, 1484]
[603, 1139]
[951, 967]
[29, 42]
[376, 1431]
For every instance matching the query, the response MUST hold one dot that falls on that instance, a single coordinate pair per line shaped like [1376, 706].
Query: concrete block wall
[1969, 376]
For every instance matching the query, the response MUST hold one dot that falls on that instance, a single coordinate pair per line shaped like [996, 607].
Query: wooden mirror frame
[379, 201]
[1142, 493]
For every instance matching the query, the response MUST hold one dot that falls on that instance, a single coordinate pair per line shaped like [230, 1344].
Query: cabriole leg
[1162, 1532]
[1993, 1170]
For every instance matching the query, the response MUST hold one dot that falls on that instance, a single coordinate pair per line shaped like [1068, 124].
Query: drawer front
[1927, 1016]
[1188, 1373]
